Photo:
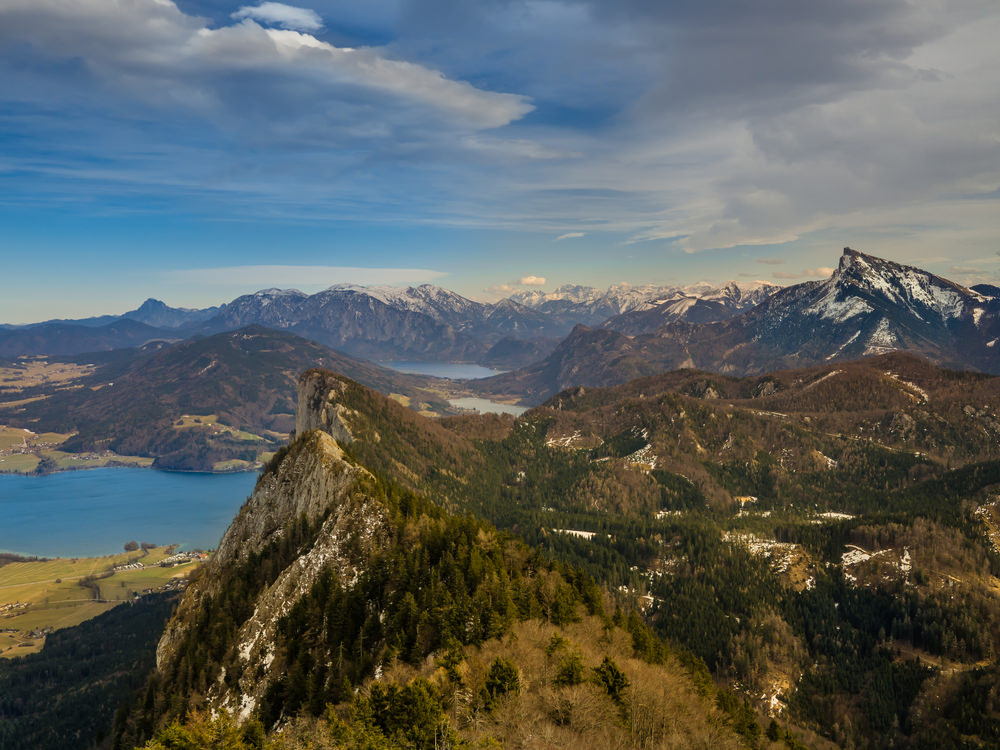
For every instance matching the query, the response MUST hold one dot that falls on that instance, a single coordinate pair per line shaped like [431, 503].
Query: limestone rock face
[312, 480]
[317, 406]
[315, 486]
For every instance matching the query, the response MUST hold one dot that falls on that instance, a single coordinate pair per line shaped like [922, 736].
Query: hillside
[809, 557]
[332, 579]
[213, 402]
[74, 338]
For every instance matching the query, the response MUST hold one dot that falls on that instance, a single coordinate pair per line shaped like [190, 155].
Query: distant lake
[458, 371]
[453, 370]
[95, 512]
[488, 407]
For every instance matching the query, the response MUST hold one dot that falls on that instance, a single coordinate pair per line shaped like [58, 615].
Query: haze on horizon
[200, 149]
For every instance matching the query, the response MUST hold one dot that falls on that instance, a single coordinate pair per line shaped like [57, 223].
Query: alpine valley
[741, 516]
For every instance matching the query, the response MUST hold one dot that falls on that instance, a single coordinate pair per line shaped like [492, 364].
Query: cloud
[306, 278]
[570, 236]
[702, 125]
[532, 281]
[279, 14]
[152, 50]
[500, 289]
[809, 273]
[770, 261]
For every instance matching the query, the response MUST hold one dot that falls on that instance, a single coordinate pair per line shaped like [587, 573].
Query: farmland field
[44, 595]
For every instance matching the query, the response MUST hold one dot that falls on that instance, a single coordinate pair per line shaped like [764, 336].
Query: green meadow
[41, 595]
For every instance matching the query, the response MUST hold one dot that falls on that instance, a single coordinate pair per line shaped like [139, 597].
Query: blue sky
[147, 146]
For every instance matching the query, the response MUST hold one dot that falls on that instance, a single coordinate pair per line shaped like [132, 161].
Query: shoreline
[115, 465]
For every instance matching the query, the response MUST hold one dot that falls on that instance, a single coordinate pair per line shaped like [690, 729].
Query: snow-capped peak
[275, 292]
[429, 299]
[862, 281]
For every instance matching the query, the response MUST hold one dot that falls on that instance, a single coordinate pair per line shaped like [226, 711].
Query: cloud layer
[686, 125]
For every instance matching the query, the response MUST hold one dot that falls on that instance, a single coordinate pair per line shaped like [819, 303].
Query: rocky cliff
[312, 510]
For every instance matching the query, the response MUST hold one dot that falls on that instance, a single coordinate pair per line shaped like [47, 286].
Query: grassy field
[95, 460]
[19, 463]
[45, 445]
[212, 423]
[50, 594]
[18, 437]
[35, 371]
[233, 464]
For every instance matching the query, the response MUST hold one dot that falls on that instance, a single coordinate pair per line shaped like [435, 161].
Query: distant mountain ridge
[423, 322]
[868, 306]
[590, 306]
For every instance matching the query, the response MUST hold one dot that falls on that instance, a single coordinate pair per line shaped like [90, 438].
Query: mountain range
[580, 335]
[424, 323]
[868, 306]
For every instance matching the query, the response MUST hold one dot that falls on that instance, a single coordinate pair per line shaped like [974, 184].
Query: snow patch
[829, 374]
[923, 395]
[781, 554]
[576, 533]
[882, 339]
[831, 308]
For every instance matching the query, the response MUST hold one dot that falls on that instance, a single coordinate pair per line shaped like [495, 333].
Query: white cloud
[499, 289]
[155, 52]
[569, 236]
[532, 281]
[808, 273]
[279, 14]
[518, 148]
[305, 278]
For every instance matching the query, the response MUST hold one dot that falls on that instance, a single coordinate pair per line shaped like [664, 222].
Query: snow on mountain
[862, 282]
[441, 304]
[276, 308]
[619, 299]
[693, 303]
[869, 306]
[910, 305]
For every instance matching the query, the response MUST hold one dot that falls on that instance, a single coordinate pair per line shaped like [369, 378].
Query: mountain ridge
[868, 306]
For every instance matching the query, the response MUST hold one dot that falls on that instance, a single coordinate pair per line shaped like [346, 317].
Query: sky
[195, 150]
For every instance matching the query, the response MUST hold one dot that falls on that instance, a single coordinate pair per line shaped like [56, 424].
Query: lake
[459, 371]
[487, 407]
[453, 370]
[95, 512]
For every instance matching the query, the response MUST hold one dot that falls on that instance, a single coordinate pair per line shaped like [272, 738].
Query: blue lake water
[453, 370]
[459, 371]
[95, 512]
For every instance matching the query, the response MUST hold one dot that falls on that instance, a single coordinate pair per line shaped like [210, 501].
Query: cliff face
[318, 408]
[313, 511]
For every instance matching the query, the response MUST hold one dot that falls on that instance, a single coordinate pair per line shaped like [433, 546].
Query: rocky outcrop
[318, 408]
[311, 485]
